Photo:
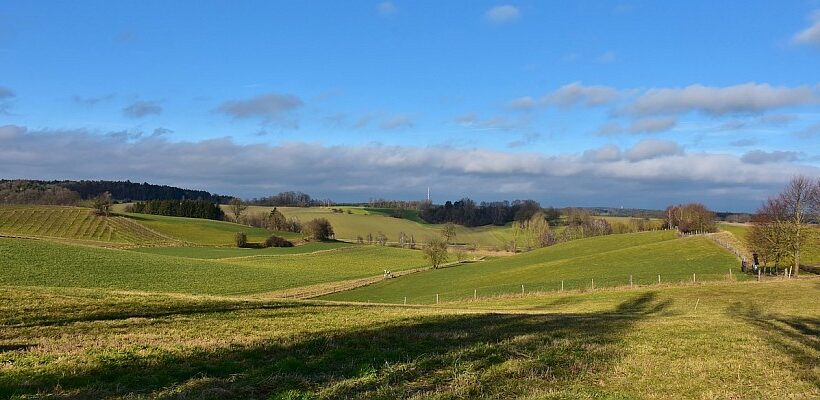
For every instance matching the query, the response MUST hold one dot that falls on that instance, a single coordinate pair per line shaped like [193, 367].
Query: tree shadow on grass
[796, 337]
[450, 356]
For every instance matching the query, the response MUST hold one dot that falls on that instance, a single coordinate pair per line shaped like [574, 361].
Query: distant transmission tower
[428, 194]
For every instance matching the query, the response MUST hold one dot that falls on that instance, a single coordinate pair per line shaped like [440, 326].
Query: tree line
[27, 191]
[289, 199]
[179, 208]
[467, 212]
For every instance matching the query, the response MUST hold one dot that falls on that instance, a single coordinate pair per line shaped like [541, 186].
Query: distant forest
[71, 192]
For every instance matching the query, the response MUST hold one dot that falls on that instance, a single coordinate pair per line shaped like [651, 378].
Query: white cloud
[652, 148]
[141, 109]
[652, 124]
[810, 35]
[764, 157]
[606, 153]
[522, 103]
[386, 8]
[576, 92]
[502, 14]
[268, 107]
[400, 121]
[743, 98]
[652, 173]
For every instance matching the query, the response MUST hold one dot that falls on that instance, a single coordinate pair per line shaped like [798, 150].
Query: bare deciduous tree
[436, 251]
[237, 207]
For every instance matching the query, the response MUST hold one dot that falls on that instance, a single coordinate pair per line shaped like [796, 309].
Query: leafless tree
[436, 251]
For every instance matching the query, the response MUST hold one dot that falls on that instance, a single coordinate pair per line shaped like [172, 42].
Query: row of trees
[688, 218]
[780, 229]
[36, 192]
[289, 199]
[179, 208]
[467, 212]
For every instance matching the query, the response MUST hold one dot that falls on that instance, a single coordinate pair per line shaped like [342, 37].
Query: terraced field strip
[75, 223]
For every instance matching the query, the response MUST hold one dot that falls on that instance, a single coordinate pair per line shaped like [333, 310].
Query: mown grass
[227, 252]
[608, 260]
[43, 263]
[205, 232]
[74, 223]
[744, 340]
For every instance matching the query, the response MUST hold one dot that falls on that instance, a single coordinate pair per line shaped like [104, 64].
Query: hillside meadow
[723, 340]
[30, 262]
[608, 260]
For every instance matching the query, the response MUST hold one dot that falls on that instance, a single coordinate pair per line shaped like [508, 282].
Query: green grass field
[716, 341]
[206, 253]
[75, 223]
[205, 232]
[43, 263]
[609, 260]
[366, 220]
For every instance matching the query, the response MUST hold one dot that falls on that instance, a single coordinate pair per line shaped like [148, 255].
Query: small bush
[276, 241]
[318, 229]
[241, 239]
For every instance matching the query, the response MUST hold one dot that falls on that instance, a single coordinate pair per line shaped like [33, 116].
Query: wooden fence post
[405, 300]
[436, 298]
[659, 279]
[522, 289]
[593, 283]
[475, 294]
[630, 280]
[562, 285]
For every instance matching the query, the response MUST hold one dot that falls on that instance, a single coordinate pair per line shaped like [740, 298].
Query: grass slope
[42, 263]
[74, 223]
[204, 232]
[609, 260]
[206, 253]
[363, 221]
[747, 340]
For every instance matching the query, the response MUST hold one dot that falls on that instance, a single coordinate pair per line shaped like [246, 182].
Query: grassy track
[227, 252]
[609, 260]
[42, 263]
[744, 340]
[75, 223]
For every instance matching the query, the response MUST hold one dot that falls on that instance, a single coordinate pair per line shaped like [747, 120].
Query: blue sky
[628, 103]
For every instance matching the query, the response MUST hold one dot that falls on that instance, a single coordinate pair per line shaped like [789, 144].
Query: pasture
[364, 221]
[722, 340]
[608, 260]
[44, 263]
[189, 317]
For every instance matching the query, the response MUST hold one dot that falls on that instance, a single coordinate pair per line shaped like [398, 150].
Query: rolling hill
[609, 260]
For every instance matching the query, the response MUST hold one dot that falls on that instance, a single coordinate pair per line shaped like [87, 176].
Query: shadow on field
[796, 337]
[455, 356]
[65, 317]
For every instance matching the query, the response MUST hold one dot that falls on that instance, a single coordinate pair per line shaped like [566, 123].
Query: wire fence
[573, 285]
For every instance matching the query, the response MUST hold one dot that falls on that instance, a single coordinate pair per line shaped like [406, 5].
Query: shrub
[276, 241]
[318, 229]
[241, 239]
